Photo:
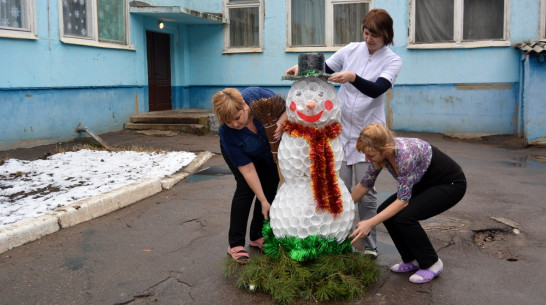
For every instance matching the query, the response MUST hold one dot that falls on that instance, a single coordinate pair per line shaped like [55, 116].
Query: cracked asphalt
[169, 248]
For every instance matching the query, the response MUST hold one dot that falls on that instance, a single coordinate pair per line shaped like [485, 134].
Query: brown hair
[375, 136]
[379, 22]
[227, 103]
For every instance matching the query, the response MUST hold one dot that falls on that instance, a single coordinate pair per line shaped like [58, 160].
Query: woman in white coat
[365, 70]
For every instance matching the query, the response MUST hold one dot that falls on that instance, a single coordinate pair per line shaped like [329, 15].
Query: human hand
[265, 209]
[343, 77]
[292, 70]
[362, 230]
[280, 122]
[278, 131]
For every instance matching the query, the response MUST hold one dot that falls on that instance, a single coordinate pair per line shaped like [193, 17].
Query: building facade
[97, 62]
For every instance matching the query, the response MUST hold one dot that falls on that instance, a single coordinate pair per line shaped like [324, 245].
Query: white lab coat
[358, 109]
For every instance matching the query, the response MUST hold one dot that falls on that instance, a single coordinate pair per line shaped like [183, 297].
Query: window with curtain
[434, 20]
[457, 21]
[308, 22]
[244, 31]
[325, 23]
[101, 23]
[77, 18]
[17, 18]
[112, 18]
[347, 22]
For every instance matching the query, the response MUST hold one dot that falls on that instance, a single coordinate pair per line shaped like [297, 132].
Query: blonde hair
[227, 103]
[375, 136]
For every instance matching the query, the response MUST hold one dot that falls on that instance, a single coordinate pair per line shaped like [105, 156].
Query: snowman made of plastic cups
[313, 200]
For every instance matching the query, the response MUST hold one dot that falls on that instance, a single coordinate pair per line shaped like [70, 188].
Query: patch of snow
[31, 188]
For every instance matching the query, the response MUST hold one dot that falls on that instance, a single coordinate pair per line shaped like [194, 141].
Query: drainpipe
[521, 98]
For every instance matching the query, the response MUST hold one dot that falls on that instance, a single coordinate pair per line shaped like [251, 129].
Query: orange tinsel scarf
[323, 173]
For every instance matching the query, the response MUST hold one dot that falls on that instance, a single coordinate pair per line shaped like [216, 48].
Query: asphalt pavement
[169, 248]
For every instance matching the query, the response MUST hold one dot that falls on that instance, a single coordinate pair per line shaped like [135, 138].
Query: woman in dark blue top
[247, 152]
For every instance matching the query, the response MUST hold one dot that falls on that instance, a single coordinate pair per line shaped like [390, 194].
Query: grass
[97, 147]
[342, 277]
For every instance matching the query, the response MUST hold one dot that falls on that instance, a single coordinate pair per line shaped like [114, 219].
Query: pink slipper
[258, 243]
[426, 275]
[402, 267]
[239, 254]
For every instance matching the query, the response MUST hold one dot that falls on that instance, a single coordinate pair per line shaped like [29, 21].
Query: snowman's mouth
[310, 118]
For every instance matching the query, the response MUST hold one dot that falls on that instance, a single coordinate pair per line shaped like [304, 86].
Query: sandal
[372, 253]
[424, 276]
[258, 243]
[402, 267]
[239, 254]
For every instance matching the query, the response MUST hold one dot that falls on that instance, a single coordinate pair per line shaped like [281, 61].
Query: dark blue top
[243, 146]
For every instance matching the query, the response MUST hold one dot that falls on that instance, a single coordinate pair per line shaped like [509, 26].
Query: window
[244, 31]
[462, 23]
[18, 19]
[325, 24]
[100, 23]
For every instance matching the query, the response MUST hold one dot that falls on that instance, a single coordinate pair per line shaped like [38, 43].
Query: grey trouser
[367, 206]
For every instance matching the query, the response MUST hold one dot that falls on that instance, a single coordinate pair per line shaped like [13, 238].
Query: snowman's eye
[320, 93]
[298, 93]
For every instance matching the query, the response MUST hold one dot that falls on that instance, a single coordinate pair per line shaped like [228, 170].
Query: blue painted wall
[34, 117]
[52, 86]
[461, 110]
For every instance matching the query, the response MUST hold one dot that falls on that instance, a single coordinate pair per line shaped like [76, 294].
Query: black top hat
[309, 64]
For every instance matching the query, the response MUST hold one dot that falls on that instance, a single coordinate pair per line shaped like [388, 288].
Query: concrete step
[184, 116]
[197, 129]
[195, 121]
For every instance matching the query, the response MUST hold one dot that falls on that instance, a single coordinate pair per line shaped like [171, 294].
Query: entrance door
[159, 71]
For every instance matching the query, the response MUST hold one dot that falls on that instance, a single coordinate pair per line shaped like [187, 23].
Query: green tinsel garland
[302, 249]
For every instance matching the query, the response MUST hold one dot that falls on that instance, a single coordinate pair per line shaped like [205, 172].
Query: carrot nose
[311, 104]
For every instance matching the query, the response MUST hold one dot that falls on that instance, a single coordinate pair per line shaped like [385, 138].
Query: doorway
[159, 71]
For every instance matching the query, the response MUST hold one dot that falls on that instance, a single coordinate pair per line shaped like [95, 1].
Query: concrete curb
[102, 204]
[25, 231]
[28, 230]
[168, 182]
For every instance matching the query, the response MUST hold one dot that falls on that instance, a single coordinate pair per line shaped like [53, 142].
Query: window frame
[328, 26]
[94, 40]
[24, 33]
[458, 31]
[542, 20]
[244, 4]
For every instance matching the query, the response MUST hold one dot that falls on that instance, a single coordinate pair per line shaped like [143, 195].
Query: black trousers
[406, 232]
[243, 199]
